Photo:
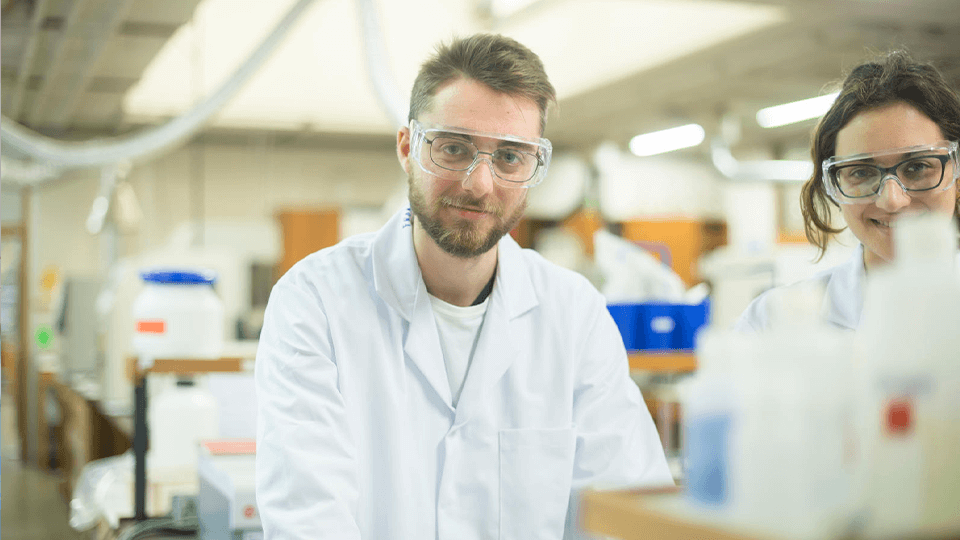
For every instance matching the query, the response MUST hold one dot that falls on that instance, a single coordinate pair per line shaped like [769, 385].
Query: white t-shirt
[459, 328]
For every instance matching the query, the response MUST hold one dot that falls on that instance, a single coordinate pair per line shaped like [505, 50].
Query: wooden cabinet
[684, 239]
[87, 435]
[305, 231]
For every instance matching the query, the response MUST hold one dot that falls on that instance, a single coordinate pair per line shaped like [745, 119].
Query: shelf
[668, 361]
[188, 366]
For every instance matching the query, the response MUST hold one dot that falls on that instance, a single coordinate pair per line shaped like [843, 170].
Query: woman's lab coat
[843, 287]
[357, 435]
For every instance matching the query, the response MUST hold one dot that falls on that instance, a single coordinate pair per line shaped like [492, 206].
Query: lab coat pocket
[536, 468]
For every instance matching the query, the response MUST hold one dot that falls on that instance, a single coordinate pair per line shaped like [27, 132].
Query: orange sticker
[151, 327]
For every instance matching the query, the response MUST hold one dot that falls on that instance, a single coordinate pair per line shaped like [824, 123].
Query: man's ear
[403, 148]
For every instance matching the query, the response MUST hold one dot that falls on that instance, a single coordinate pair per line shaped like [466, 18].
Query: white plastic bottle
[792, 464]
[908, 362]
[179, 418]
[767, 423]
[178, 315]
[710, 405]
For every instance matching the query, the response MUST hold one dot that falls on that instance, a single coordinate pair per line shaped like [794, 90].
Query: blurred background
[139, 133]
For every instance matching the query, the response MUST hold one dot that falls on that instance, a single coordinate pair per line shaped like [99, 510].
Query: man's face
[467, 218]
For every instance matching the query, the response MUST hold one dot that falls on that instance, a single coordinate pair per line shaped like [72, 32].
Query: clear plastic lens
[459, 155]
[450, 153]
[858, 179]
[916, 174]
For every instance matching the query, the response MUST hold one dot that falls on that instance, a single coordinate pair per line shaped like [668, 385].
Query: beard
[464, 238]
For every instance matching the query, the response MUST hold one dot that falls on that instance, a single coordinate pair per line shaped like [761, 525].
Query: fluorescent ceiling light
[627, 36]
[789, 113]
[506, 8]
[318, 80]
[667, 140]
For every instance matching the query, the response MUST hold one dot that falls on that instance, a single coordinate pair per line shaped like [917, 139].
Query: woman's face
[897, 125]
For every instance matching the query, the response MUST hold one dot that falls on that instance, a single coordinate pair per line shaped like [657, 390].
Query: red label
[249, 511]
[899, 416]
[221, 447]
[157, 326]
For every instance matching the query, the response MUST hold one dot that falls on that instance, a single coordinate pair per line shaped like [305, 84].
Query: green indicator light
[44, 336]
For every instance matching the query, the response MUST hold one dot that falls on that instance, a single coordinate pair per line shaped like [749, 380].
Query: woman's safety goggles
[921, 170]
[453, 153]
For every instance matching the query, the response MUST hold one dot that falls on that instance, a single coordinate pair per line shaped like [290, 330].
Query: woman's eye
[916, 166]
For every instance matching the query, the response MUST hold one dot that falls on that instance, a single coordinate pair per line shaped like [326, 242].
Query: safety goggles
[859, 179]
[452, 153]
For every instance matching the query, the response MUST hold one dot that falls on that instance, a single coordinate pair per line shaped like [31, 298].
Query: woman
[886, 147]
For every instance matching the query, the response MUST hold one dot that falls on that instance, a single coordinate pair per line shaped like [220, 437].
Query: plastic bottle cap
[179, 277]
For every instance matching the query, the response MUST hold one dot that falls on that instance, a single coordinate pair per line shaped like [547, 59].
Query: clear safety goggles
[922, 170]
[451, 153]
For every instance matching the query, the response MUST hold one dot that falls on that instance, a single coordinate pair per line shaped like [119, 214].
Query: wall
[234, 185]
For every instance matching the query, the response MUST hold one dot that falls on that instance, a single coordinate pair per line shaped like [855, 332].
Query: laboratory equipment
[226, 504]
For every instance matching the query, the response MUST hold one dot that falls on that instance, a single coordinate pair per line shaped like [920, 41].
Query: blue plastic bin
[627, 317]
[657, 326]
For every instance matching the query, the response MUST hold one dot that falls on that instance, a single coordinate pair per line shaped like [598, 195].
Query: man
[433, 380]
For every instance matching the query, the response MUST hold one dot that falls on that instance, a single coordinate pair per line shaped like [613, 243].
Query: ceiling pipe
[66, 155]
[774, 170]
[378, 68]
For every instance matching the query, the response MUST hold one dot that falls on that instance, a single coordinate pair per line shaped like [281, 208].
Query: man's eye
[510, 157]
[454, 149]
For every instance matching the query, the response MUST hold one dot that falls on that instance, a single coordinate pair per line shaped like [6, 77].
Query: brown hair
[497, 61]
[893, 78]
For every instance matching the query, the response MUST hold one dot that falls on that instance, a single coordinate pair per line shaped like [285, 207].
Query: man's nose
[480, 178]
[892, 196]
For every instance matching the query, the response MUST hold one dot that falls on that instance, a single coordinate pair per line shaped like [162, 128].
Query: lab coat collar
[396, 274]
[398, 281]
[843, 301]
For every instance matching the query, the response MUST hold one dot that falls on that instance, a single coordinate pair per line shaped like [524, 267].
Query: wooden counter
[648, 515]
[665, 362]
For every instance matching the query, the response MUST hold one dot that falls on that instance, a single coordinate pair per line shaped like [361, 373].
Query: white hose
[775, 170]
[377, 66]
[61, 154]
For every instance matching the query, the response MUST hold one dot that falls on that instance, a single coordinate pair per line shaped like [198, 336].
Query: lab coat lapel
[397, 280]
[501, 338]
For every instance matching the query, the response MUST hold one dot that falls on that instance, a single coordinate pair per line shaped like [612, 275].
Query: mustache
[471, 203]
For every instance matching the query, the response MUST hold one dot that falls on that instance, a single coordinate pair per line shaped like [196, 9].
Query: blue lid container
[178, 277]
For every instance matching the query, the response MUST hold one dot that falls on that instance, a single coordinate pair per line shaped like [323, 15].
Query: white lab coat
[843, 287]
[357, 437]
[842, 306]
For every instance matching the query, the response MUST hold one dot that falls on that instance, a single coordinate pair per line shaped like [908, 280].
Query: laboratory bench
[664, 514]
[88, 432]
